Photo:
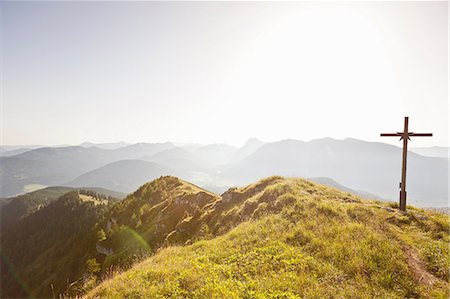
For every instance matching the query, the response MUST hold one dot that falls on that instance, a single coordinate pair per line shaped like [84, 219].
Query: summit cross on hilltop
[405, 137]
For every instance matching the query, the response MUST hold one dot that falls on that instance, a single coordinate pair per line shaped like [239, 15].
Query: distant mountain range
[369, 168]
[57, 166]
[111, 145]
[10, 150]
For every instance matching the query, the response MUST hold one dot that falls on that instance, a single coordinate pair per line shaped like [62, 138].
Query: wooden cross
[405, 137]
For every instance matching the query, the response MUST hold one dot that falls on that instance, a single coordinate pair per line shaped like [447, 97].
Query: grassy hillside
[283, 238]
[279, 238]
[150, 217]
[52, 250]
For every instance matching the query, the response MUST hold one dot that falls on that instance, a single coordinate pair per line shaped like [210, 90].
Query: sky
[222, 72]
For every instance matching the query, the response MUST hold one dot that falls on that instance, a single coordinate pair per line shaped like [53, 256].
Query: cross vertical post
[405, 137]
[402, 203]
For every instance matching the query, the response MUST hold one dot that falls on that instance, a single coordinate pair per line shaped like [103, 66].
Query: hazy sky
[222, 72]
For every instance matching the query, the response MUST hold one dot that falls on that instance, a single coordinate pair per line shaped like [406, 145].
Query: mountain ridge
[14, 209]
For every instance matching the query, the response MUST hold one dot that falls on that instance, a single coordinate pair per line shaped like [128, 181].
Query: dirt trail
[418, 267]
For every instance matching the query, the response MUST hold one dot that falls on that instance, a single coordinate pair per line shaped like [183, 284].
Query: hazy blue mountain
[4, 148]
[13, 152]
[216, 154]
[47, 166]
[177, 158]
[124, 175]
[332, 183]
[433, 151]
[247, 149]
[203, 157]
[127, 175]
[111, 145]
[55, 166]
[188, 146]
[138, 150]
[370, 166]
[198, 163]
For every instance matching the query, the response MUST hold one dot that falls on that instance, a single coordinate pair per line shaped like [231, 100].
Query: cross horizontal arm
[390, 134]
[420, 134]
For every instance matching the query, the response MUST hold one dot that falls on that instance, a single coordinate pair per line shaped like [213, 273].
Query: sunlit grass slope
[290, 238]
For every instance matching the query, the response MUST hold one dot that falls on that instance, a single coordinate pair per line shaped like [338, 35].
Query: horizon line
[181, 143]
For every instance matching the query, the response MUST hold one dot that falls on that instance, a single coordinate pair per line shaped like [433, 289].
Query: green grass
[290, 238]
